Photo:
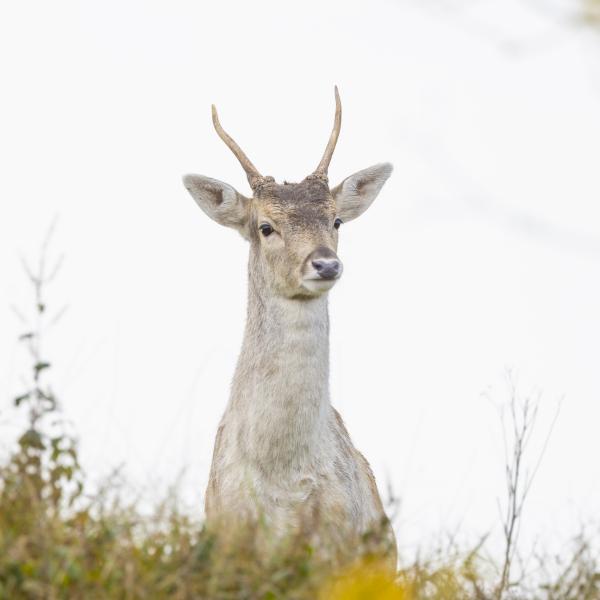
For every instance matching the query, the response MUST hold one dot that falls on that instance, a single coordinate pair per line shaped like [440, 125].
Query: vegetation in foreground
[58, 540]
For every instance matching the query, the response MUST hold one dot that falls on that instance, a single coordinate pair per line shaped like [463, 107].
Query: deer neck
[280, 391]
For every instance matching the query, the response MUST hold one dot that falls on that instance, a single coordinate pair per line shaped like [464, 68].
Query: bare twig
[523, 413]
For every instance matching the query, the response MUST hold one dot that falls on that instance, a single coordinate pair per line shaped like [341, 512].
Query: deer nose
[327, 268]
[326, 263]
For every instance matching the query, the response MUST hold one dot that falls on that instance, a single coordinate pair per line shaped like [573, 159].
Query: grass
[58, 539]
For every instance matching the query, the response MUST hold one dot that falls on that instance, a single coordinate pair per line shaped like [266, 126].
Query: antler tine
[254, 177]
[321, 170]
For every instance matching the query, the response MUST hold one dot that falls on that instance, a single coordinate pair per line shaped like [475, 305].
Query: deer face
[293, 235]
[292, 228]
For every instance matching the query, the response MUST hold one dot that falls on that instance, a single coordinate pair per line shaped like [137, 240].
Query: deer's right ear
[219, 201]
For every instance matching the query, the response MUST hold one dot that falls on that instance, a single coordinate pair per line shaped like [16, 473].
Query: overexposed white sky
[481, 254]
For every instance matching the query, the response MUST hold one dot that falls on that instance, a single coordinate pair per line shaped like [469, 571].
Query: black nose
[327, 268]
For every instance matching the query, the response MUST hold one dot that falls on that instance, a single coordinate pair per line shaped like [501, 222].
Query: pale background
[481, 254]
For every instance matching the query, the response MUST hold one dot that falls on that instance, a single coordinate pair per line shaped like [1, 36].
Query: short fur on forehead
[309, 200]
[308, 190]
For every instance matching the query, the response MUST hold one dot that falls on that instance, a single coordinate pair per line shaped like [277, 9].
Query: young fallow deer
[282, 452]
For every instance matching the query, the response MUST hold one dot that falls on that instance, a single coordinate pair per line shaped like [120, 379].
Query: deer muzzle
[322, 269]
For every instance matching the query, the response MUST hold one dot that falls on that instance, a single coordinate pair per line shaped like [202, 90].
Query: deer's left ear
[356, 193]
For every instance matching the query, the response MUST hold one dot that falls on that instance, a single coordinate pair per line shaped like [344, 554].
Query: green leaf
[19, 399]
[41, 366]
[32, 439]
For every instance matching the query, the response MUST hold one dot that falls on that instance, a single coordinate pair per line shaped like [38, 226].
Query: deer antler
[321, 170]
[254, 177]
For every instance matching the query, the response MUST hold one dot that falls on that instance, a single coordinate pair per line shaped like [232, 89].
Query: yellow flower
[368, 581]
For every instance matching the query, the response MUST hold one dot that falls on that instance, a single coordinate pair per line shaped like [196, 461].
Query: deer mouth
[318, 285]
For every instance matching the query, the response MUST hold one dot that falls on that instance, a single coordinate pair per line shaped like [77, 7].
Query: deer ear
[219, 201]
[356, 193]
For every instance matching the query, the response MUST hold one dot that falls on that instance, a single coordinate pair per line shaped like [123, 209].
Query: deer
[282, 452]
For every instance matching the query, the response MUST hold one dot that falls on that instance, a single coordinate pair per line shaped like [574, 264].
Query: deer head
[292, 227]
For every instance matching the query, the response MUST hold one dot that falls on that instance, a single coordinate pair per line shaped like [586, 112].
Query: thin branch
[523, 415]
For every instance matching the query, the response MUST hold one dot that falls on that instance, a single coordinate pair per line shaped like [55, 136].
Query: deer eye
[266, 229]
[337, 223]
